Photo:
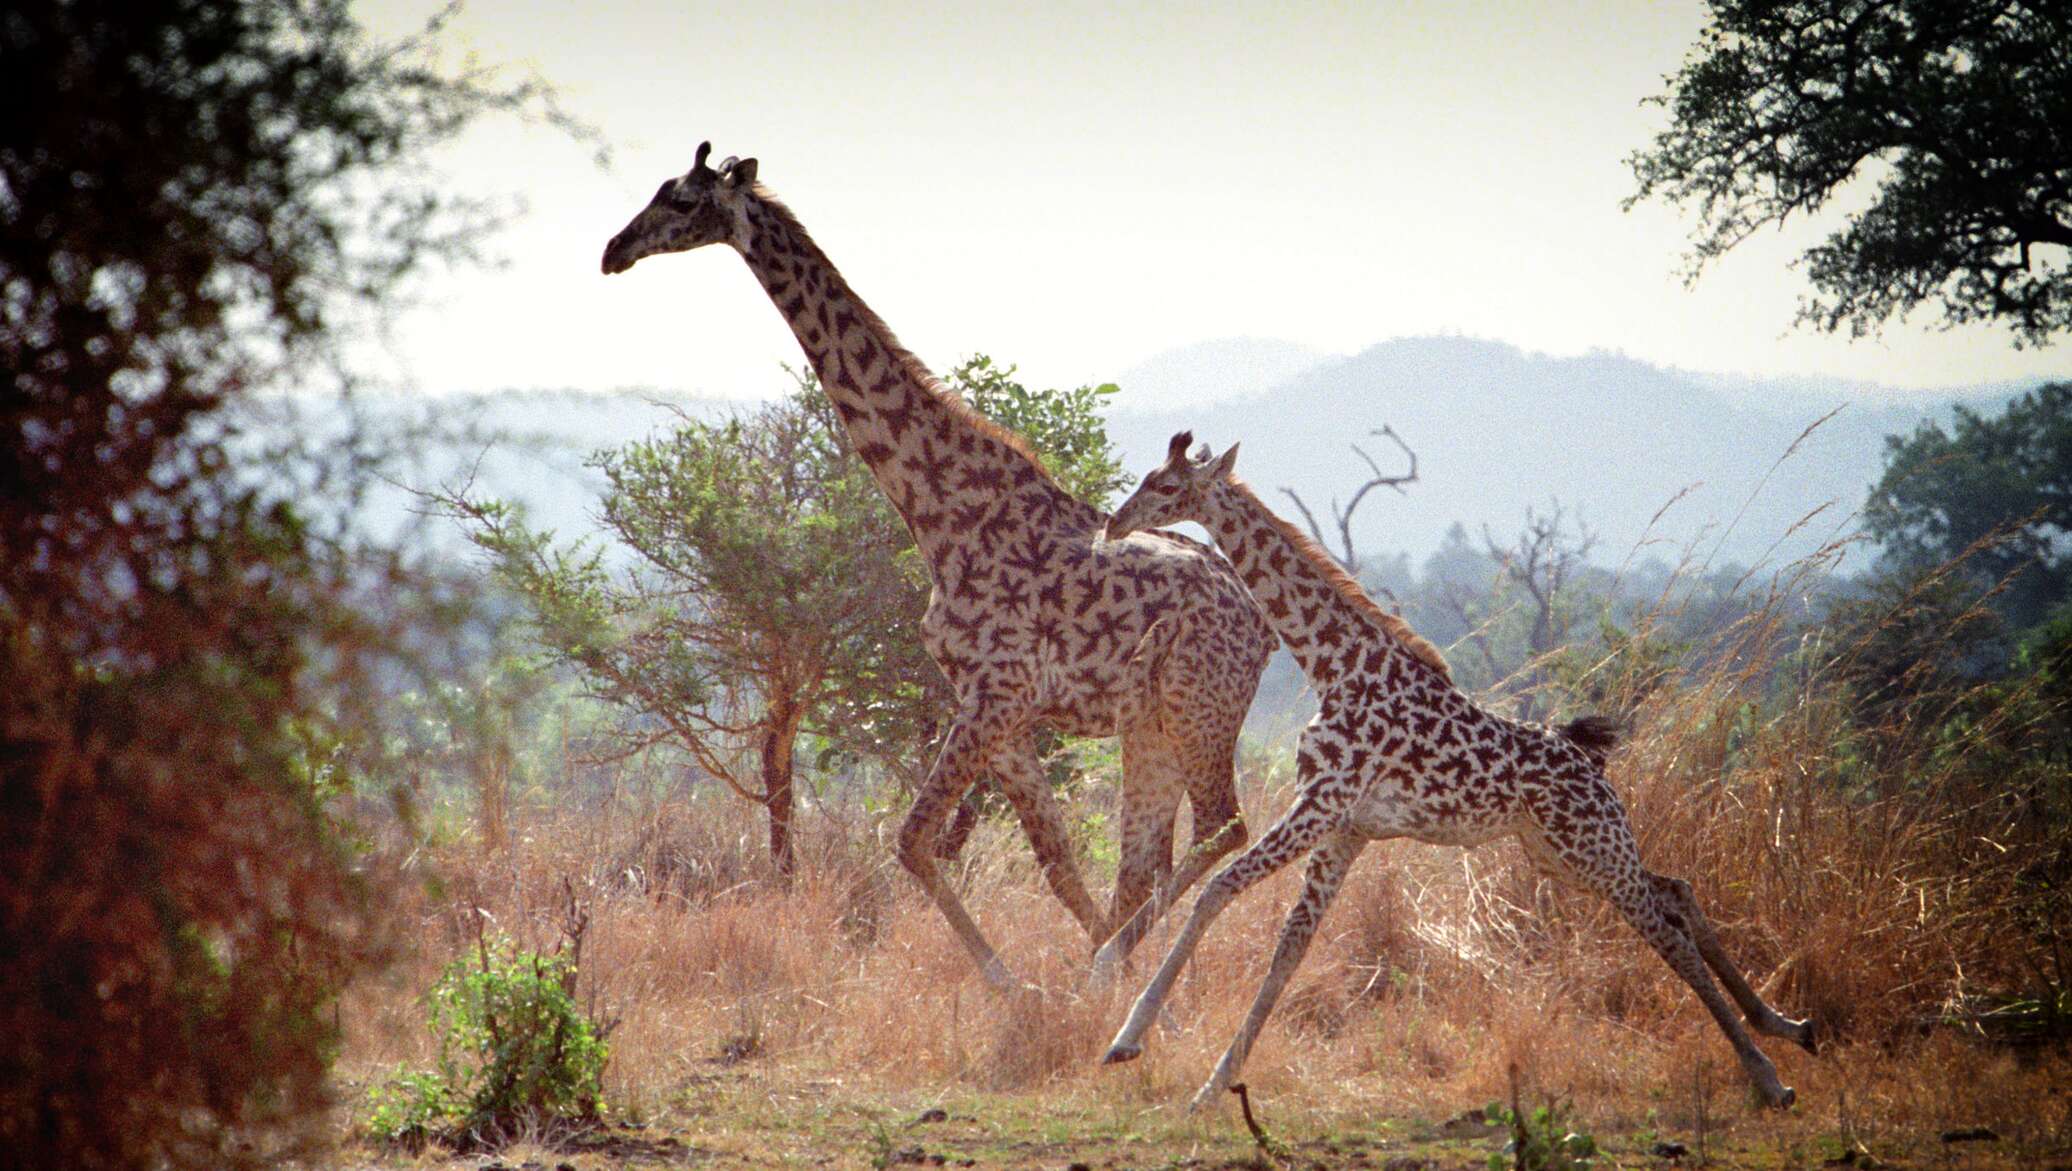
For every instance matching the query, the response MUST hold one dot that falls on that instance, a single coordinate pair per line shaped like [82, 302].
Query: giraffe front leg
[1328, 865]
[1128, 1044]
[1315, 812]
[964, 754]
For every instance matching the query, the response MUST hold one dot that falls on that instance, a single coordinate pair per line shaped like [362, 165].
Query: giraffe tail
[1595, 735]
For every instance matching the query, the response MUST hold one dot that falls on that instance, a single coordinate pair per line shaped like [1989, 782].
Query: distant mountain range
[1210, 371]
[1614, 440]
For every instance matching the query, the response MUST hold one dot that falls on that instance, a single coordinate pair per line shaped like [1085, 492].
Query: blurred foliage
[197, 200]
[1543, 1139]
[1956, 117]
[1994, 492]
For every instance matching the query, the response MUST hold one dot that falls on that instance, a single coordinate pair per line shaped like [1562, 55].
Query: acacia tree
[773, 590]
[193, 195]
[1959, 114]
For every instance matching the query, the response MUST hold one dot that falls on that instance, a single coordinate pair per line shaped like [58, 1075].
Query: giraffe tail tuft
[1595, 735]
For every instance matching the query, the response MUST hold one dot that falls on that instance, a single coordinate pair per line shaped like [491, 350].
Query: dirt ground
[751, 1117]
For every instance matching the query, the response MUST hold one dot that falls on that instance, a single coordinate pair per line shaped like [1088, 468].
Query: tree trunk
[780, 736]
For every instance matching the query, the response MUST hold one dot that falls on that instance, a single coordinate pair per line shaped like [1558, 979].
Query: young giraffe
[1031, 620]
[1397, 751]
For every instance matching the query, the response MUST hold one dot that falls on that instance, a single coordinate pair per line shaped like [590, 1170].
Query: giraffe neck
[1319, 612]
[945, 467]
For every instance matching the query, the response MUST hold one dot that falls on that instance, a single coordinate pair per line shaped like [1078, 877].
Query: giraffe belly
[1387, 811]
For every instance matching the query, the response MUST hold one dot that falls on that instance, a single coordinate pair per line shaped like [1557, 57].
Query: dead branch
[1343, 518]
[1269, 1146]
[1477, 628]
[1541, 563]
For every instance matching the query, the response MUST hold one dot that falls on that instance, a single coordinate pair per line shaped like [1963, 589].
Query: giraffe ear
[1177, 449]
[742, 174]
[1224, 463]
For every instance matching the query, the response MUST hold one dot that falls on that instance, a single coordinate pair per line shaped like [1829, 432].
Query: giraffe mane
[1328, 568]
[904, 358]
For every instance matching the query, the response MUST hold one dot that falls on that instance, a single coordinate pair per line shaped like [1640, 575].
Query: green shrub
[1541, 1140]
[514, 1051]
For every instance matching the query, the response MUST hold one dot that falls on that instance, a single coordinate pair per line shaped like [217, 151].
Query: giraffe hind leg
[1610, 865]
[1763, 1018]
[1151, 786]
[1660, 923]
[1151, 793]
[1186, 706]
[1219, 829]
[964, 754]
[1043, 822]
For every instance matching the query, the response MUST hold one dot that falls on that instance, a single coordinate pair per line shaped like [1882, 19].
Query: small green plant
[882, 1146]
[514, 1051]
[1540, 1141]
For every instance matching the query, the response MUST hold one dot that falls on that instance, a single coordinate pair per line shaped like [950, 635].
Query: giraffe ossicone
[1396, 750]
[1032, 618]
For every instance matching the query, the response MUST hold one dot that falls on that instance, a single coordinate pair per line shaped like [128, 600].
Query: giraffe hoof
[1786, 1099]
[1117, 1054]
[1808, 1036]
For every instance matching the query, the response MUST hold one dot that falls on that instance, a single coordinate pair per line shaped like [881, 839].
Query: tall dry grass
[1872, 909]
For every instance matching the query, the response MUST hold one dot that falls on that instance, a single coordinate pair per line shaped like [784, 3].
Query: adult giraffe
[1032, 621]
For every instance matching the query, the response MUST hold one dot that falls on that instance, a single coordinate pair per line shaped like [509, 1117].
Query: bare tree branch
[1477, 629]
[1343, 518]
[1541, 563]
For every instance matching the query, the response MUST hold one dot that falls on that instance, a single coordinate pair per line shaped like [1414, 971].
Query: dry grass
[1435, 971]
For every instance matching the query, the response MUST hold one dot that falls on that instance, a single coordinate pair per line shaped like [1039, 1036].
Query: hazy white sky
[1076, 187]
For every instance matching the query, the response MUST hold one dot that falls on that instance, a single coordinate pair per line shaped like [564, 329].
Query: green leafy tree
[773, 592]
[758, 599]
[1993, 491]
[1959, 115]
[194, 196]
[1064, 426]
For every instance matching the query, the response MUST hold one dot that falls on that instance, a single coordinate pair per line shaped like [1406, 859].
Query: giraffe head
[699, 207]
[1173, 491]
